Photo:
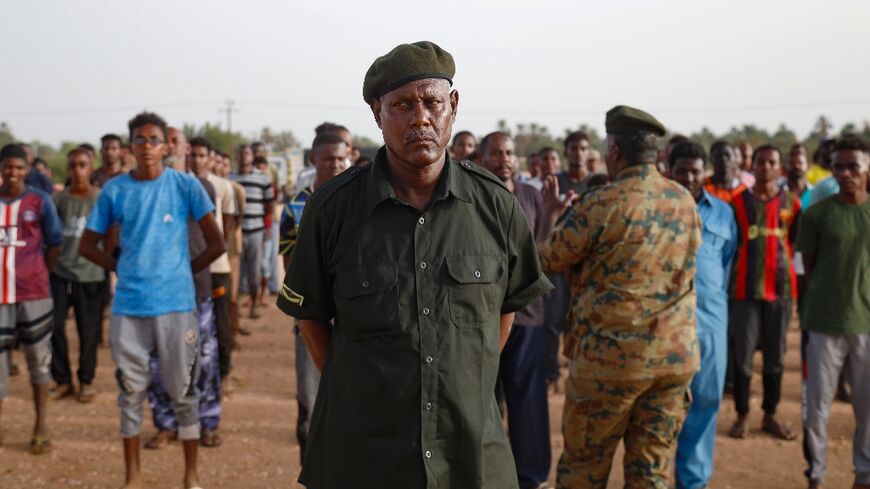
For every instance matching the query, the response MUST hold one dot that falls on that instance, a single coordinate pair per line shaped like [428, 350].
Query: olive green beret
[406, 63]
[623, 119]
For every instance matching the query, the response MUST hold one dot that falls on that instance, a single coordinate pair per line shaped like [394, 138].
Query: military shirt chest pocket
[368, 299]
[475, 290]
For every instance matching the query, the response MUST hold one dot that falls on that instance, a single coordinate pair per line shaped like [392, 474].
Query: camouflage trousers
[208, 379]
[646, 414]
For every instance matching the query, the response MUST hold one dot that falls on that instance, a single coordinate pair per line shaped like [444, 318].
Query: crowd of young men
[650, 310]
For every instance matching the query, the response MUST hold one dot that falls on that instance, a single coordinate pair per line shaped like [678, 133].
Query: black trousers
[86, 299]
[522, 377]
[221, 285]
[752, 321]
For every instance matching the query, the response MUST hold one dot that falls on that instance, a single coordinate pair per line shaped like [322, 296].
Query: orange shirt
[724, 194]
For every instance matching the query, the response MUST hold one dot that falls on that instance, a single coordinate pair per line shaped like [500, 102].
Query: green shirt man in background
[421, 261]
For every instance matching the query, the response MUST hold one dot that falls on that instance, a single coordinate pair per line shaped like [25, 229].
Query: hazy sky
[73, 70]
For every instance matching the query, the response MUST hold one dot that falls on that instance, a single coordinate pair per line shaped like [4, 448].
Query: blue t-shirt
[154, 274]
[824, 189]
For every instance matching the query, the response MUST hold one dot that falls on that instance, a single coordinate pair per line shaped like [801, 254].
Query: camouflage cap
[623, 119]
[406, 63]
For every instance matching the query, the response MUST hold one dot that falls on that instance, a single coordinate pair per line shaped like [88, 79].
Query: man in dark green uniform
[421, 261]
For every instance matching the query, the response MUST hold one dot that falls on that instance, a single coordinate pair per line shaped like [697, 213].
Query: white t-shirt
[225, 204]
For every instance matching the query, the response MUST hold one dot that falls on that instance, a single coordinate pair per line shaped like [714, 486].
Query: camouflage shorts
[647, 414]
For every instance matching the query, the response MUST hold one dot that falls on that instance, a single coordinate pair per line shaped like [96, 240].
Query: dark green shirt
[836, 300]
[407, 394]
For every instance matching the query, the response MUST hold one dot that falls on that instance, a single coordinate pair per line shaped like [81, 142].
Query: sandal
[40, 445]
[86, 394]
[61, 391]
[210, 439]
[778, 430]
[738, 429]
[161, 438]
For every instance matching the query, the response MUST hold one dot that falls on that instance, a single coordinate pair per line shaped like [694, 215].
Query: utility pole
[229, 112]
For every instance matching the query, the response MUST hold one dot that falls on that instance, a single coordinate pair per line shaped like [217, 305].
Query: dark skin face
[329, 160]
[348, 139]
[149, 154]
[577, 153]
[535, 165]
[79, 167]
[259, 150]
[767, 167]
[246, 155]
[550, 163]
[850, 169]
[14, 171]
[745, 155]
[178, 146]
[797, 164]
[499, 157]
[416, 120]
[200, 160]
[110, 151]
[463, 146]
[689, 172]
[725, 164]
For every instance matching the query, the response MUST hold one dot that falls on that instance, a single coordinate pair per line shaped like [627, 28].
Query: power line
[104, 110]
[501, 112]
[584, 111]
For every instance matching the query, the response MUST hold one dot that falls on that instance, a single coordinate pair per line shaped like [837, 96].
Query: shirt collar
[705, 198]
[641, 171]
[379, 189]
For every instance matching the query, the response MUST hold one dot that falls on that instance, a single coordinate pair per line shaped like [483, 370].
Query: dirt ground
[260, 450]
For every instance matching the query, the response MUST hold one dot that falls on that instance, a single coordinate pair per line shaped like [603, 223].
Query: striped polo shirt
[258, 193]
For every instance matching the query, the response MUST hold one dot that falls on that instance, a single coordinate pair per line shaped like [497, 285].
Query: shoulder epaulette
[329, 188]
[475, 169]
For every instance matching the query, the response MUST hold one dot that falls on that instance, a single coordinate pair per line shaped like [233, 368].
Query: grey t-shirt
[73, 211]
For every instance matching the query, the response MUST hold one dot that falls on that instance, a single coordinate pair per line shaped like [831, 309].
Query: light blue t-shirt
[154, 274]
[824, 189]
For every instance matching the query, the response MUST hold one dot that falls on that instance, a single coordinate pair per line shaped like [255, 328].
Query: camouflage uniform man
[632, 340]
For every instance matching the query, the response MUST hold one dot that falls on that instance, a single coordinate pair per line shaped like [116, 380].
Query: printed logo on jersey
[75, 227]
[167, 218]
[8, 237]
[28, 216]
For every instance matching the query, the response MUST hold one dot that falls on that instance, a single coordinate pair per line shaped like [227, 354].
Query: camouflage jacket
[631, 249]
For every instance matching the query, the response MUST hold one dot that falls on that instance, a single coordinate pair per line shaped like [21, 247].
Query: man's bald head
[177, 142]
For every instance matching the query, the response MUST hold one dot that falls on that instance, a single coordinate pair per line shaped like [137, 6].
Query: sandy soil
[260, 451]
